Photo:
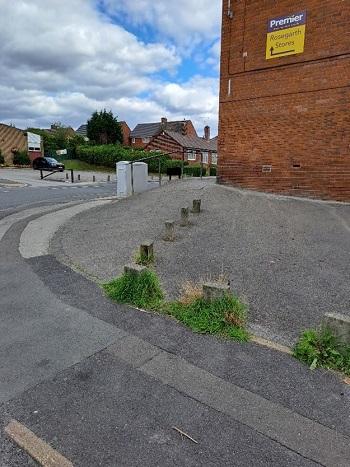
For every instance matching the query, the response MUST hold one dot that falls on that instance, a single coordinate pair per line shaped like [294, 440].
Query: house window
[146, 140]
[214, 158]
[133, 140]
[205, 157]
[191, 155]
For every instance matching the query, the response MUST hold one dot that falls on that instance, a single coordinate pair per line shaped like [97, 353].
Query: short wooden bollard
[215, 290]
[79, 177]
[169, 235]
[147, 251]
[185, 214]
[196, 208]
[93, 178]
[108, 178]
[67, 175]
[339, 326]
[134, 269]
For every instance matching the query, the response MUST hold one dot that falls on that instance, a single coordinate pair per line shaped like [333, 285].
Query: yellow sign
[286, 36]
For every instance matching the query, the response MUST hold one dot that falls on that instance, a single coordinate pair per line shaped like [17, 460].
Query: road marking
[38, 449]
[36, 237]
[271, 345]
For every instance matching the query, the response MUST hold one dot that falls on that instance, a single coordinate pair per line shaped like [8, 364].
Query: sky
[143, 59]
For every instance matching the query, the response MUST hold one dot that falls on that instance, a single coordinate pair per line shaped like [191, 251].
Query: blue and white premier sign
[286, 35]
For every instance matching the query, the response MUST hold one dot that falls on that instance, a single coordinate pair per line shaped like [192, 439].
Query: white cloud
[187, 22]
[63, 60]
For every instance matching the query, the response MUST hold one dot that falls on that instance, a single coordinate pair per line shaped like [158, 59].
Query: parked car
[47, 163]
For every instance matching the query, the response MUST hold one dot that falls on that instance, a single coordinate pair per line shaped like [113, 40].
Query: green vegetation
[320, 348]
[195, 171]
[76, 164]
[225, 316]
[108, 155]
[142, 290]
[21, 158]
[2, 160]
[60, 138]
[212, 171]
[143, 260]
[104, 128]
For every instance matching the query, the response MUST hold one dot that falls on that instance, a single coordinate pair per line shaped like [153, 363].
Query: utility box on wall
[131, 178]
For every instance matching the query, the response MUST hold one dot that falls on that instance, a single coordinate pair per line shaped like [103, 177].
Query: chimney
[207, 133]
[164, 120]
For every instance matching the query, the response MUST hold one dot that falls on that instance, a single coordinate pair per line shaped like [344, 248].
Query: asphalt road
[106, 384]
[14, 198]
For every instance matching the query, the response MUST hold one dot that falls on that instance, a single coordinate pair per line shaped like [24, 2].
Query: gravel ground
[288, 258]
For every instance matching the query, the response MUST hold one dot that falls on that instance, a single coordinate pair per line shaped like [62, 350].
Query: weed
[190, 291]
[225, 316]
[143, 259]
[142, 290]
[321, 348]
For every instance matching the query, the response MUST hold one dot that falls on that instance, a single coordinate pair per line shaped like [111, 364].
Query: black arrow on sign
[280, 53]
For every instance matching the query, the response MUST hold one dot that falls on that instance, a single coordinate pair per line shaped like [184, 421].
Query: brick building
[13, 140]
[82, 131]
[190, 148]
[284, 122]
[144, 133]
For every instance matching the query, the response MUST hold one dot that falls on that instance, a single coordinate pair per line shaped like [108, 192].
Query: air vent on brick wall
[266, 169]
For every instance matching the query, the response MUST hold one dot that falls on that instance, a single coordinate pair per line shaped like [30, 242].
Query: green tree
[104, 128]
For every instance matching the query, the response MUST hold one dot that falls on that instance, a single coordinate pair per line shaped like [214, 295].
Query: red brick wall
[167, 145]
[126, 133]
[292, 113]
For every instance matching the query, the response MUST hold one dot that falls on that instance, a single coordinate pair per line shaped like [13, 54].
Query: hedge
[109, 154]
[2, 160]
[21, 158]
[195, 171]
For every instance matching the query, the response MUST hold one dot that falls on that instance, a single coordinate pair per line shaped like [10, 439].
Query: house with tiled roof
[189, 148]
[144, 133]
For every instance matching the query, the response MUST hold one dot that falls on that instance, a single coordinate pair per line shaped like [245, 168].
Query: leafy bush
[109, 154]
[142, 290]
[320, 348]
[225, 316]
[2, 160]
[213, 171]
[194, 171]
[21, 158]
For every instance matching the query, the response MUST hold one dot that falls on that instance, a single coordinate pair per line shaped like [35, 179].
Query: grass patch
[142, 290]
[76, 164]
[225, 316]
[320, 348]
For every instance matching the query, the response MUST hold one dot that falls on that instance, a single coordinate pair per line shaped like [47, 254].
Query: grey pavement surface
[104, 384]
[288, 258]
